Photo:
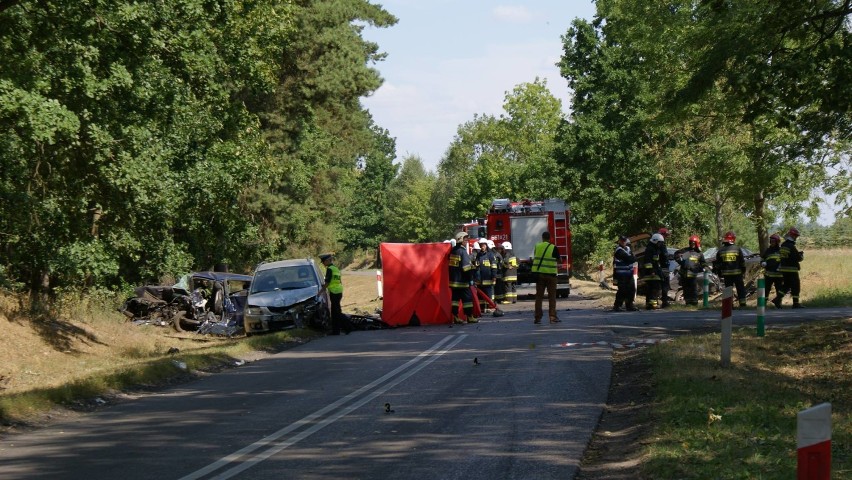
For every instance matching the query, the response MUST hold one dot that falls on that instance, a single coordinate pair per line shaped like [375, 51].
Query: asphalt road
[526, 409]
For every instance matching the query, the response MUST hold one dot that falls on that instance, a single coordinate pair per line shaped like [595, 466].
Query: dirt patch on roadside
[617, 446]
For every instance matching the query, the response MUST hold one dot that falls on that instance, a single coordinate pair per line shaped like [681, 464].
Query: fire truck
[522, 224]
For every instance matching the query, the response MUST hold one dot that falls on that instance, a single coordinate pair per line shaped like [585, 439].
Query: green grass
[758, 397]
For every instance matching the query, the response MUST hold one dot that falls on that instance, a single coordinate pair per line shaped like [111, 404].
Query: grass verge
[150, 371]
[740, 421]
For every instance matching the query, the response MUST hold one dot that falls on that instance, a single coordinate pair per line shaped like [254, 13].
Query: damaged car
[287, 294]
[206, 302]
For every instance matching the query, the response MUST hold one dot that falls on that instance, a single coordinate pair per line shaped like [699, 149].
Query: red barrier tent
[416, 284]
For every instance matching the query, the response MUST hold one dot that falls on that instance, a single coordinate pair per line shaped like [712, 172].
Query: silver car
[285, 294]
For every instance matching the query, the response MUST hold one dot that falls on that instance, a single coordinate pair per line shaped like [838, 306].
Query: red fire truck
[522, 224]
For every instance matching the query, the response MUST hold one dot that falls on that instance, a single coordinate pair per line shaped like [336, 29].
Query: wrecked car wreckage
[204, 302]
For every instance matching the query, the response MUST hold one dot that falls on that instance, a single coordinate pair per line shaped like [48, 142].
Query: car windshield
[291, 277]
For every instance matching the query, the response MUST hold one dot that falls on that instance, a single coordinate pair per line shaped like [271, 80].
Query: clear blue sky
[448, 60]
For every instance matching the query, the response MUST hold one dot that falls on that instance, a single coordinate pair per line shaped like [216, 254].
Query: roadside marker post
[727, 310]
[761, 306]
[813, 443]
[379, 282]
[706, 289]
[635, 280]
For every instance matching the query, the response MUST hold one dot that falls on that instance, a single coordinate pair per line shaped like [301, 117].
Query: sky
[449, 60]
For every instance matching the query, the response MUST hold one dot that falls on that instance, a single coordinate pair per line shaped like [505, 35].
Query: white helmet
[474, 246]
[491, 244]
[507, 245]
[655, 238]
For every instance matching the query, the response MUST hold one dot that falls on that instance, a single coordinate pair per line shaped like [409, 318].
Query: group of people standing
[491, 268]
[780, 261]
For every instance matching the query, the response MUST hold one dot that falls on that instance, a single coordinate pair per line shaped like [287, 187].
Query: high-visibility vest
[335, 285]
[543, 261]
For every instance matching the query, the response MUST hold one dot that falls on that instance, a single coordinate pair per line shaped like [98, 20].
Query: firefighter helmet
[507, 245]
[474, 246]
[664, 232]
[490, 244]
[696, 240]
[657, 238]
[460, 236]
[793, 232]
[730, 237]
[775, 238]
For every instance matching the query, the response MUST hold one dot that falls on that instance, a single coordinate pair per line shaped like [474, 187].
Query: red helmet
[730, 237]
[774, 238]
[696, 240]
[664, 232]
[793, 232]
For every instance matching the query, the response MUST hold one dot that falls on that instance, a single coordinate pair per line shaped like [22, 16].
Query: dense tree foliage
[146, 138]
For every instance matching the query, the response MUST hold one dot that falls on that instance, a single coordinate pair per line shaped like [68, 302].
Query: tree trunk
[760, 221]
[718, 203]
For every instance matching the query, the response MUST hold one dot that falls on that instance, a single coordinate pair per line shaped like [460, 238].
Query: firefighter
[789, 267]
[652, 272]
[691, 262]
[770, 263]
[730, 265]
[461, 279]
[665, 280]
[499, 284]
[622, 273]
[485, 282]
[510, 273]
[544, 267]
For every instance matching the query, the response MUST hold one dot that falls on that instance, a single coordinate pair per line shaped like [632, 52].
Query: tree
[408, 203]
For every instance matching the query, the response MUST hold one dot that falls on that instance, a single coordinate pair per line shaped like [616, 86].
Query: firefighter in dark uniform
[485, 282]
[510, 273]
[499, 284]
[461, 279]
[789, 267]
[691, 262]
[770, 263]
[652, 273]
[665, 281]
[730, 265]
[622, 273]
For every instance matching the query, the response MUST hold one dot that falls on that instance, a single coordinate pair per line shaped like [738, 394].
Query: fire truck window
[481, 232]
[499, 225]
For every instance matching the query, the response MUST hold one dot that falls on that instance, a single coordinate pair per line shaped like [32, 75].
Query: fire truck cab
[522, 223]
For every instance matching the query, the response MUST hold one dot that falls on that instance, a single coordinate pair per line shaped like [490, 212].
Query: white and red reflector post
[813, 441]
[379, 285]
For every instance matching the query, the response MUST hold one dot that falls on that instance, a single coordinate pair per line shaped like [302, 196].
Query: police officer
[334, 285]
[730, 265]
[461, 279]
[544, 266]
[510, 273]
[691, 262]
[652, 272]
[770, 263]
[789, 267]
[622, 273]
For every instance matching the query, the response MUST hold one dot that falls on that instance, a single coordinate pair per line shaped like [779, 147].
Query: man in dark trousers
[730, 265]
[665, 281]
[334, 285]
[771, 262]
[691, 263]
[789, 267]
[544, 266]
[461, 279]
[652, 273]
[622, 273]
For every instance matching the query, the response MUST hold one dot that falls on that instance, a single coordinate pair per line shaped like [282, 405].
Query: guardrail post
[813, 443]
[761, 306]
[706, 289]
[727, 310]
